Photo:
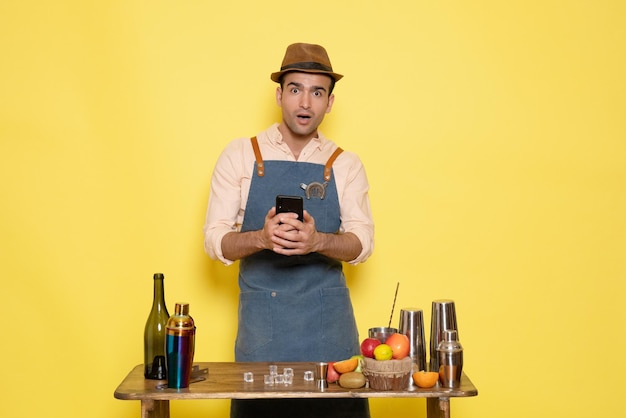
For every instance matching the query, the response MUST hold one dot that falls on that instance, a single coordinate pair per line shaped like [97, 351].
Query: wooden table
[225, 381]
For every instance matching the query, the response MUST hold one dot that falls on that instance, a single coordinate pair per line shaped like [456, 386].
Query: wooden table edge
[336, 392]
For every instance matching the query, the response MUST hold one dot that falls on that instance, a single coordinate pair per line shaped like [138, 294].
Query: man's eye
[294, 90]
[318, 93]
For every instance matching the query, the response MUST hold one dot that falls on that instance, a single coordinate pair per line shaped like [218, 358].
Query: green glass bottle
[154, 334]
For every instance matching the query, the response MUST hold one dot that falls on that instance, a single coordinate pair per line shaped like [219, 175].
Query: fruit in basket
[368, 345]
[383, 352]
[425, 379]
[352, 380]
[400, 345]
[388, 375]
[359, 365]
[346, 366]
[331, 374]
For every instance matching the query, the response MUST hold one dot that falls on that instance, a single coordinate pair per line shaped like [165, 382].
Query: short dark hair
[330, 88]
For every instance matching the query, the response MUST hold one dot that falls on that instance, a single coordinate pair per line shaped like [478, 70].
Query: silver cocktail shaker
[412, 325]
[443, 318]
[450, 360]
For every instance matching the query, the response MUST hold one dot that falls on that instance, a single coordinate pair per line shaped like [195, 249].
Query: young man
[294, 304]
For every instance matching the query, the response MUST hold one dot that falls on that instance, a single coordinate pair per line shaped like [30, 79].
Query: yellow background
[494, 137]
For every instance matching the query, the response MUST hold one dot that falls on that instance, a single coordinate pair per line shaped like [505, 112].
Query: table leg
[151, 408]
[438, 407]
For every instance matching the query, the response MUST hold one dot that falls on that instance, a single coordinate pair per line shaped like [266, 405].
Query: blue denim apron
[294, 308]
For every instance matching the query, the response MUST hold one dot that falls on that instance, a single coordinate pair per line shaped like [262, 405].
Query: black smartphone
[293, 204]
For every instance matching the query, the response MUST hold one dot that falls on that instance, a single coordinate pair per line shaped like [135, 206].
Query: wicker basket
[388, 374]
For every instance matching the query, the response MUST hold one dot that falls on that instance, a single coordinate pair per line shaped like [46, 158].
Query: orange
[400, 345]
[359, 366]
[346, 366]
[425, 379]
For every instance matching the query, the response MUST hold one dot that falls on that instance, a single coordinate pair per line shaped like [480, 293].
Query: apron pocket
[255, 322]
[341, 338]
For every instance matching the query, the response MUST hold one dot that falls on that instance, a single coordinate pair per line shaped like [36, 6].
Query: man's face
[304, 99]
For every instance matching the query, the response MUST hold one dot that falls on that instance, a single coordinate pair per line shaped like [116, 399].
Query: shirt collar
[276, 137]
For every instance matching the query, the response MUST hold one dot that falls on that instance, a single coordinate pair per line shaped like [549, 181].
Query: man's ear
[331, 100]
[279, 96]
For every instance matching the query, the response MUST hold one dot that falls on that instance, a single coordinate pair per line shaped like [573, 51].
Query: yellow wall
[494, 137]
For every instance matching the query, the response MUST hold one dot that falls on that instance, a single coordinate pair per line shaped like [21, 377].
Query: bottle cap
[181, 309]
[449, 335]
[180, 322]
[158, 276]
[449, 342]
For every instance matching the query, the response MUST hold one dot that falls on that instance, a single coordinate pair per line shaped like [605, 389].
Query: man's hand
[237, 245]
[293, 237]
[284, 234]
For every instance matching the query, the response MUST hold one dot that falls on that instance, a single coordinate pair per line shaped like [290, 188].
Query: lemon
[383, 352]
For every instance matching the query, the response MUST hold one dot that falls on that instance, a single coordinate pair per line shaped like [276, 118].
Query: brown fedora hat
[306, 58]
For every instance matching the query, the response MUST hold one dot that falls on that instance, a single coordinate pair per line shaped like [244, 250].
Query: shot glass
[321, 369]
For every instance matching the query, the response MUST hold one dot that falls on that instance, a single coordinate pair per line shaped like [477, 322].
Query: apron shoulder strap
[329, 163]
[260, 167]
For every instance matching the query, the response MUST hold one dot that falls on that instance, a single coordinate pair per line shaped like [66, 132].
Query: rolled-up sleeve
[356, 213]
[227, 198]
